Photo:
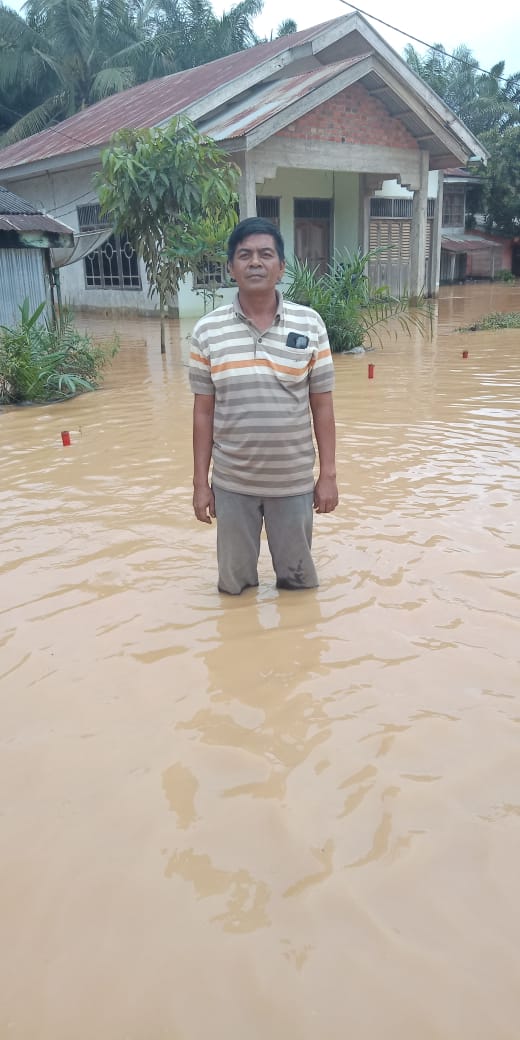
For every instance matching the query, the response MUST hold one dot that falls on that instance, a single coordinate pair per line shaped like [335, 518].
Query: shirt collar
[278, 317]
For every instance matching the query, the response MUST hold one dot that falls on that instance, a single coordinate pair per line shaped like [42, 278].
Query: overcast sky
[491, 32]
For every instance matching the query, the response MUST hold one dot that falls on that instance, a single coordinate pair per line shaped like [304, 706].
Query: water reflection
[308, 801]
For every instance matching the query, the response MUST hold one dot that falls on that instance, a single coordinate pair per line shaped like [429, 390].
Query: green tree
[498, 197]
[489, 104]
[163, 187]
[67, 54]
[485, 101]
[200, 35]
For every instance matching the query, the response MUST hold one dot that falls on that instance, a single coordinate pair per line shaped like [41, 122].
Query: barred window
[396, 209]
[210, 274]
[313, 209]
[114, 265]
[453, 208]
[268, 207]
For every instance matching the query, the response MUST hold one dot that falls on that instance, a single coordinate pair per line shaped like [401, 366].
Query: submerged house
[26, 238]
[318, 121]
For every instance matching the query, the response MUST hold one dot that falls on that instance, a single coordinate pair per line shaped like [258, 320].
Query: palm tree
[200, 35]
[67, 54]
[485, 101]
[71, 53]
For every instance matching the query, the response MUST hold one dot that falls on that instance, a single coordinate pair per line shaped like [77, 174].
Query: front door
[312, 232]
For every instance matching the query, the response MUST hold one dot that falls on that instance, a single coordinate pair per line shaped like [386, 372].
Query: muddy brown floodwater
[289, 816]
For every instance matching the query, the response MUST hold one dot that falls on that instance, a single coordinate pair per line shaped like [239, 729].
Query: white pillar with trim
[417, 284]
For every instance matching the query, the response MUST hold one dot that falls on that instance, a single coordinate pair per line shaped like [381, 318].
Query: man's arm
[203, 498]
[326, 490]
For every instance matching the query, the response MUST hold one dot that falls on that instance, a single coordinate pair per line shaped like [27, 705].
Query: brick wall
[351, 117]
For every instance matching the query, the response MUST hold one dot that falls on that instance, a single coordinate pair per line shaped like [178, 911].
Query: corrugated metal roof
[31, 222]
[16, 214]
[268, 99]
[467, 244]
[147, 104]
[11, 203]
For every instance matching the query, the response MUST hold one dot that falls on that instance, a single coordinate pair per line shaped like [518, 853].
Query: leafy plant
[496, 320]
[40, 361]
[166, 187]
[505, 276]
[354, 311]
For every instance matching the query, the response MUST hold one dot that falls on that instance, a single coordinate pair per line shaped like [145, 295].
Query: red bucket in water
[65, 438]
[371, 371]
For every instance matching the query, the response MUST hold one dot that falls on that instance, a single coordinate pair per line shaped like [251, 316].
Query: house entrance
[313, 232]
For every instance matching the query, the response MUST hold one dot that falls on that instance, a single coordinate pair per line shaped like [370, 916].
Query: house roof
[467, 244]
[16, 214]
[239, 119]
[233, 96]
[148, 104]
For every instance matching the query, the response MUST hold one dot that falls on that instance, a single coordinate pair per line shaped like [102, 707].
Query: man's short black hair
[254, 226]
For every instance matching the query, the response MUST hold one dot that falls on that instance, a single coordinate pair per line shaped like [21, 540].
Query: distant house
[26, 238]
[318, 121]
[467, 254]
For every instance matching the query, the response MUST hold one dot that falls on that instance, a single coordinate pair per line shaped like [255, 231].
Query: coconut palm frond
[111, 81]
[37, 119]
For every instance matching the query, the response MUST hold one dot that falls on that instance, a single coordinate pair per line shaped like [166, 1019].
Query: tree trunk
[163, 330]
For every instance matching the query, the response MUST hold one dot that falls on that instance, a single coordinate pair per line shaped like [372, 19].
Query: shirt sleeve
[321, 379]
[200, 364]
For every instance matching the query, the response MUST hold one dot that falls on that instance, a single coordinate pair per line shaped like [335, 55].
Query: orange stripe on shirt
[263, 363]
[200, 358]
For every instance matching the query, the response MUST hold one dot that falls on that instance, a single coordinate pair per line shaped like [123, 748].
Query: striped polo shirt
[262, 433]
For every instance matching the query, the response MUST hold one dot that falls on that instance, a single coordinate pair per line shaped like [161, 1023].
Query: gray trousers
[288, 525]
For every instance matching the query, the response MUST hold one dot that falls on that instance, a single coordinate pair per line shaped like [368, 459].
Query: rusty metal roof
[268, 99]
[147, 104]
[16, 214]
[467, 244]
[33, 222]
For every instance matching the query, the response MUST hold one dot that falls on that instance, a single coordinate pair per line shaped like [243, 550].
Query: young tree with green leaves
[165, 188]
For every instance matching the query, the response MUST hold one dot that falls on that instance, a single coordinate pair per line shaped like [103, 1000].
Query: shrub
[504, 276]
[40, 361]
[509, 320]
[353, 310]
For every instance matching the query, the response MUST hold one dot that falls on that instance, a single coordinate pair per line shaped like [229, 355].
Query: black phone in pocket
[296, 340]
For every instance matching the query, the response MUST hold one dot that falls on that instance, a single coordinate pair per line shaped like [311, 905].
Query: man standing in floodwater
[259, 368]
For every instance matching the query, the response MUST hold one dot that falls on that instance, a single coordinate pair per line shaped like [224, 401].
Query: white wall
[394, 190]
[59, 195]
[288, 185]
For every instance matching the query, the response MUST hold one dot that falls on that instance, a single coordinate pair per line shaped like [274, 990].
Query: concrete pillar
[435, 261]
[419, 217]
[247, 187]
[365, 192]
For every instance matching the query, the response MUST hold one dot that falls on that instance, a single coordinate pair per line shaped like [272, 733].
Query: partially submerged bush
[354, 311]
[504, 275]
[510, 320]
[40, 361]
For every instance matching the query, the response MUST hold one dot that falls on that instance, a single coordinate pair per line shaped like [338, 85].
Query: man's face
[256, 266]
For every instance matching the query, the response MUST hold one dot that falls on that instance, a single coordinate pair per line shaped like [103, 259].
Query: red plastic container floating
[65, 438]
[370, 371]
[465, 353]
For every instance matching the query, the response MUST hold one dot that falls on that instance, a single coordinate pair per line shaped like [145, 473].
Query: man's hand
[204, 504]
[325, 495]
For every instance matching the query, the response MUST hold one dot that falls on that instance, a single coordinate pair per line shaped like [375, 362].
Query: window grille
[268, 207]
[114, 265]
[210, 274]
[397, 209]
[312, 209]
[453, 209]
